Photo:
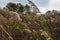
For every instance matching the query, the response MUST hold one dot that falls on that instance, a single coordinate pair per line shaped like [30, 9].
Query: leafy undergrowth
[33, 27]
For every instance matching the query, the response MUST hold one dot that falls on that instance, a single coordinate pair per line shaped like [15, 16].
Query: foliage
[21, 8]
[33, 27]
[12, 6]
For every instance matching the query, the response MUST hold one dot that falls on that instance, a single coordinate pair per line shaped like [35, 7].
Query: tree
[11, 6]
[20, 7]
[28, 10]
[27, 7]
[48, 11]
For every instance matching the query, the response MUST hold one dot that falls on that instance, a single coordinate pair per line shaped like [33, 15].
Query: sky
[43, 5]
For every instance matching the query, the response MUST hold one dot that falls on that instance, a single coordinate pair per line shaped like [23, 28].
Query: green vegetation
[32, 27]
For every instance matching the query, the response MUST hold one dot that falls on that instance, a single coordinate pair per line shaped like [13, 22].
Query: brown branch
[6, 32]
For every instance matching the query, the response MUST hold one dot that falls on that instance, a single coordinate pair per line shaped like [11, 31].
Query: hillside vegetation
[20, 20]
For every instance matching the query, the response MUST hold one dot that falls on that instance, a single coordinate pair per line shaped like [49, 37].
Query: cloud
[55, 4]
[4, 2]
[42, 9]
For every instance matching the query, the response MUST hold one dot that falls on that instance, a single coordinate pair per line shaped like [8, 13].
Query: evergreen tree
[11, 6]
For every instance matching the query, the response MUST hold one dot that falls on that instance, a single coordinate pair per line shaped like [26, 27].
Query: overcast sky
[43, 5]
